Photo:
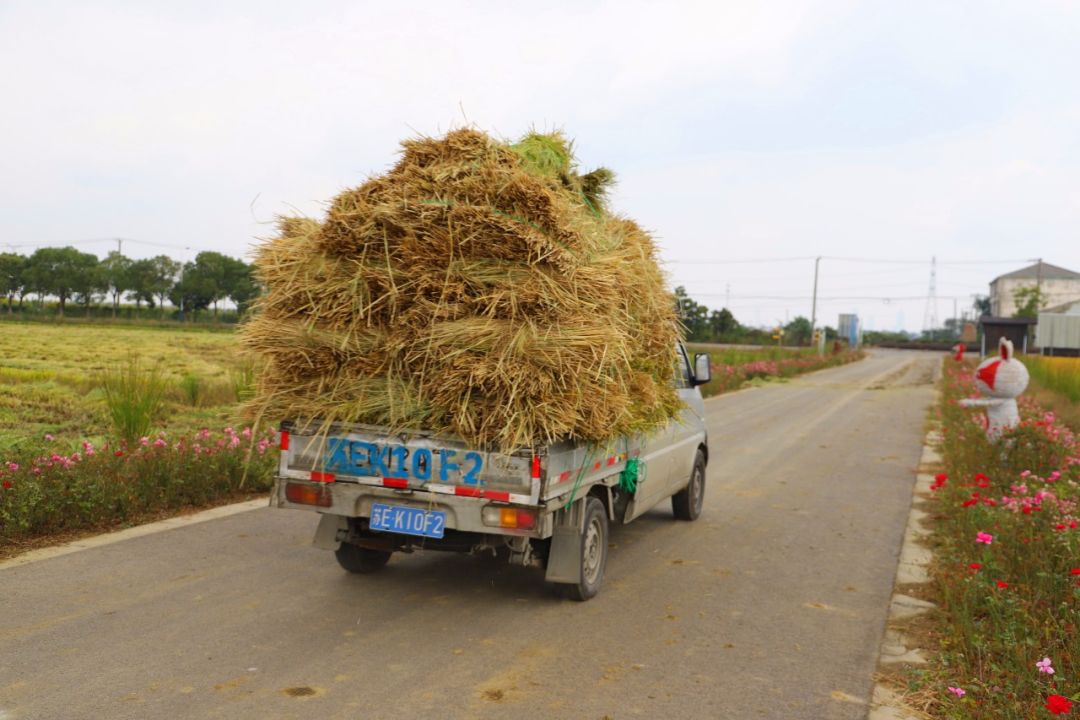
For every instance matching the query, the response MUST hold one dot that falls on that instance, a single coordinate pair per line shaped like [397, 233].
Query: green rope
[581, 475]
[628, 478]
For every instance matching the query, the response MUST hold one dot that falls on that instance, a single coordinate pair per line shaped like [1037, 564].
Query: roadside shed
[1015, 329]
[1058, 332]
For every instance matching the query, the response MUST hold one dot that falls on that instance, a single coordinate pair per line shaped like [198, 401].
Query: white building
[1058, 332]
[1058, 286]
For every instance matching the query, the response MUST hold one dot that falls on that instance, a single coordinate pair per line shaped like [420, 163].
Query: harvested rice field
[48, 377]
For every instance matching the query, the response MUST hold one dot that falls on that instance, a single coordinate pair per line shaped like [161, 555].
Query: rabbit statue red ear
[1005, 349]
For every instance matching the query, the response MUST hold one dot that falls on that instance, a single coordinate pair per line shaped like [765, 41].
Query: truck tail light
[308, 494]
[536, 467]
[508, 517]
[284, 440]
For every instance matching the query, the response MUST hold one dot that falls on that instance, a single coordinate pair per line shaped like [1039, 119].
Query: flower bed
[1008, 563]
[732, 376]
[48, 488]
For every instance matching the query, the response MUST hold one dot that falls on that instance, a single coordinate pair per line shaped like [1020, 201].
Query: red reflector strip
[536, 466]
[497, 495]
[611, 461]
[564, 476]
[596, 466]
[322, 477]
[395, 482]
[468, 491]
[284, 439]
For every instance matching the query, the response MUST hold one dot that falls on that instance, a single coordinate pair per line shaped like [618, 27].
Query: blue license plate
[407, 520]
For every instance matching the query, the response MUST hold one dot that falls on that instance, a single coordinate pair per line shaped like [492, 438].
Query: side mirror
[702, 368]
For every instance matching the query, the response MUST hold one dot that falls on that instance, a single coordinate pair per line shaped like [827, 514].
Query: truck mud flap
[564, 558]
[327, 535]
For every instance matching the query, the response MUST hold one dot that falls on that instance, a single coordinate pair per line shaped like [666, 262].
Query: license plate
[407, 520]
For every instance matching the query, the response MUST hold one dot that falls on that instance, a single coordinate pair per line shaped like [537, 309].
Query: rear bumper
[463, 514]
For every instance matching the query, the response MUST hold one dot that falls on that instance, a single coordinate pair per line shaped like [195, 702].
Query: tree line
[720, 326]
[80, 278]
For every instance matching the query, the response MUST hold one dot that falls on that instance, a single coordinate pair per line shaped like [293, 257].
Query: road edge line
[109, 538]
[915, 558]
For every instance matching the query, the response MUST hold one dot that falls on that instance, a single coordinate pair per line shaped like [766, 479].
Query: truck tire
[594, 547]
[686, 504]
[360, 560]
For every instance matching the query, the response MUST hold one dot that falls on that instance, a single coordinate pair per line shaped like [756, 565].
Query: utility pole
[930, 318]
[813, 306]
[119, 246]
[727, 296]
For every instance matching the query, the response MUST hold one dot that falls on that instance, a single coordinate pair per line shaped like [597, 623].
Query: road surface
[772, 605]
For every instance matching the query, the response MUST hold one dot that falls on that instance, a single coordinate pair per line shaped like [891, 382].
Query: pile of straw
[477, 289]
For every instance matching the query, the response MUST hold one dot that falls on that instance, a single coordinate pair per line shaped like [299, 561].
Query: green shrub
[134, 396]
[190, 389]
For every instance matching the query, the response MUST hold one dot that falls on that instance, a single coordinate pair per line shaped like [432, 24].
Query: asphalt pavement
[771, 605]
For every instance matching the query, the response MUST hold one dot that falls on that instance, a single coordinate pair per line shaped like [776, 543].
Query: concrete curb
[134, 532]
[915, 559]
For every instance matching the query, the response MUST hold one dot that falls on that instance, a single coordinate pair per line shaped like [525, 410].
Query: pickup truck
[381, 492]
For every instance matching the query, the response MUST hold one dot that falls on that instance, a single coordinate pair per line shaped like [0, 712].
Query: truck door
[687, 428]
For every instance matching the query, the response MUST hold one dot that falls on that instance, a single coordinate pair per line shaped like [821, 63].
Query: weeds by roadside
[48, 488]
[1008, 570]
[734, 373]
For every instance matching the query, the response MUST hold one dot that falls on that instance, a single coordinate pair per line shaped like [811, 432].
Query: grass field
[49, 377]
[1055, 383]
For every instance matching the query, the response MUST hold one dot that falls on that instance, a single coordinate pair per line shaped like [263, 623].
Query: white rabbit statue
[1001, 379]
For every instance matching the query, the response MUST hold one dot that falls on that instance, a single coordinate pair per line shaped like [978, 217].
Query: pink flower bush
[982, 537]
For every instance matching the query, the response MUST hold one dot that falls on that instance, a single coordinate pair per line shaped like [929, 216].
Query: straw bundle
[477, 289]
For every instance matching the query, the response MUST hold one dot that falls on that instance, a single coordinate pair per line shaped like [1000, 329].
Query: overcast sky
[739, 131]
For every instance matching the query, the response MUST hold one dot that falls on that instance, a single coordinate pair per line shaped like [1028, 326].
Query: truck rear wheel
[360, 560]
[594, 548]
[686, 504]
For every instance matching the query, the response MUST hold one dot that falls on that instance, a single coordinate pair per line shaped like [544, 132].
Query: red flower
[7, 484]
[975, 566]
[1058, 705]
[969, 503]
[1075, 571]
[1002, 584]
[118, 453]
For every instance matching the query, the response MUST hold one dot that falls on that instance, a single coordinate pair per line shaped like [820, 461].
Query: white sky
[740, 131]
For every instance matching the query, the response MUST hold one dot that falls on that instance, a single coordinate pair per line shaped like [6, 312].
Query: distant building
[1058, 286]
[849, 328]
[1015, 329]
[1058, 332]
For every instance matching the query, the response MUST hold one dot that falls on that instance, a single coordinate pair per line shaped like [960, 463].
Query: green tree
[240, 284]
[193, 292]
[798, 331]
[140, 282]
[163, 271]
[61, 272]
[12, 269]
[1029, 300]
[694, 317]
[981, 304]
[722, 323]
[117, 276]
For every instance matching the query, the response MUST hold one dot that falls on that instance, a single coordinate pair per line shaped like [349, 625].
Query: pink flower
[234, 441]
[203, 434]
[49, 437]
[263, 445]
[35, 471]
[958, 692]
[246, 433]
[982, 537]
[159, 443]
[12, 466]
[1044, 666]
[144, 441]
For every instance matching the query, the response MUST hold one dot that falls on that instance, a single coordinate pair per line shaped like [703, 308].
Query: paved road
[772, 605]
